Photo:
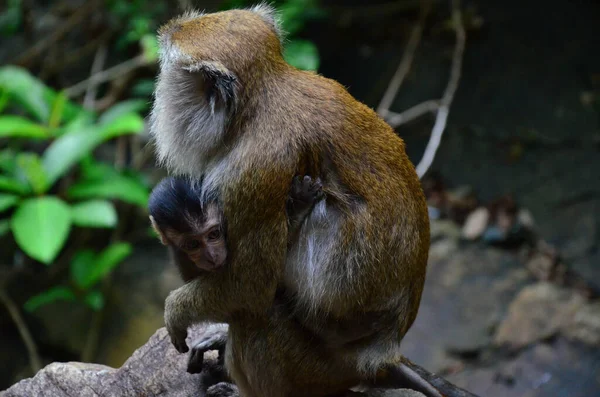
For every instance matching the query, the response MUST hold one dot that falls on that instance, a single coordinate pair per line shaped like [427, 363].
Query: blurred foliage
[10, 18]
[50, 182]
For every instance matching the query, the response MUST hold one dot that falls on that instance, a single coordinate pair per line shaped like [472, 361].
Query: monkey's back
[374, 224]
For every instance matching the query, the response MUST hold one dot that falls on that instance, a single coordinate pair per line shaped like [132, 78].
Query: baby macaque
[196, 237]
[196, 233]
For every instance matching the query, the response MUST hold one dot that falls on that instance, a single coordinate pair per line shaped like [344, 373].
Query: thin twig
[75, 19]
[34, 359]
[92, 88]
[446, 101]
[395, 119]
[77, 54]
[108, 74]
[405, 63]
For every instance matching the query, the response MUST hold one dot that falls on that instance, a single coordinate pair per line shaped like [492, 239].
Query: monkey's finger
[306, 183]
[179, 343]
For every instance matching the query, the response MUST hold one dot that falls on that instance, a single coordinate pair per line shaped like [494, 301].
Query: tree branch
[92, 88]
[15, 315]
[107, 75]
[405, 63]
[75, 19]
[446, 101]
[395, 119]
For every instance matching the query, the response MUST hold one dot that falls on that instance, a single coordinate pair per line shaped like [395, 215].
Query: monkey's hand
[178, 339]
[213, 338]
[176, 329]
[223, 389]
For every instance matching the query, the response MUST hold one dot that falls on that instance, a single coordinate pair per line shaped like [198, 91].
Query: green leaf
[81, 268]
[26, 90]
[121, 108]
[149, 45]
[8, 161]
[125, 124]
[33, 95]
[12, 185]
[302, 54]
[4, 227]
[19, 127]
[94, 213]
[10, 19]
[41, 227]
[31, 166]
[7, 201]
[120, 187]
[56, 112]
[68, 149]
[95, 300]
[107, 260]
[291, 17]
[52, 295]
[144, 88]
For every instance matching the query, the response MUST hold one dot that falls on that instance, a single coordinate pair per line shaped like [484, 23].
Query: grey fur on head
[270, 15]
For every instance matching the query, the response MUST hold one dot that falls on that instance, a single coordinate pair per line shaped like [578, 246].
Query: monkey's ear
[161, 235]
[222, 84]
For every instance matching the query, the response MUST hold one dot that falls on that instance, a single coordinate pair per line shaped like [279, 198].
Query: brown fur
[367, 245]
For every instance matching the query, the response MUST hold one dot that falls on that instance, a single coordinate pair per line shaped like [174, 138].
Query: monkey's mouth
[209, 266]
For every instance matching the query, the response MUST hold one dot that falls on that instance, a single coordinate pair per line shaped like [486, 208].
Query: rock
[537, 313]
[154, 369]
[476, 223]
[542, 370]
[585, 326]
[444, 228]
[466, 295]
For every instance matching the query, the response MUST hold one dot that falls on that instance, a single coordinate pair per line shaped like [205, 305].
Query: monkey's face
[203, 241]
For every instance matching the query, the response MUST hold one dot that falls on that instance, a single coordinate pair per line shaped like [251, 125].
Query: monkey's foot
[215, 338]
[223, 389]
[306, 189]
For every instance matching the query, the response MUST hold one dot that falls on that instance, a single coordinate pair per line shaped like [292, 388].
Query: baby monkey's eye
[214, 235]
[191, 244]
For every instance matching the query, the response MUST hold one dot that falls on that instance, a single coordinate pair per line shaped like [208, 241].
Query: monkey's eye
[191, 244]
[214, 235]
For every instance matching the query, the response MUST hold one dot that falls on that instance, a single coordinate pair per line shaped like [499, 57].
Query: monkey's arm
[191, 304]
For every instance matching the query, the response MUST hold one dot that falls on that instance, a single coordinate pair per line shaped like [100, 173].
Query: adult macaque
[231, 113]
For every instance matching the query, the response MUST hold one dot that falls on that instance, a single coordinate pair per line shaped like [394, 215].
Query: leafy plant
[50, 182]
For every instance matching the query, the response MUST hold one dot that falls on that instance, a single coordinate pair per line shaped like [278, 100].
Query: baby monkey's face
[204, 242]
[206, 248]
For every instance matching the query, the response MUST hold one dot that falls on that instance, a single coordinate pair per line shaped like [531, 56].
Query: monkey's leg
[223, 389]
[212, 374]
